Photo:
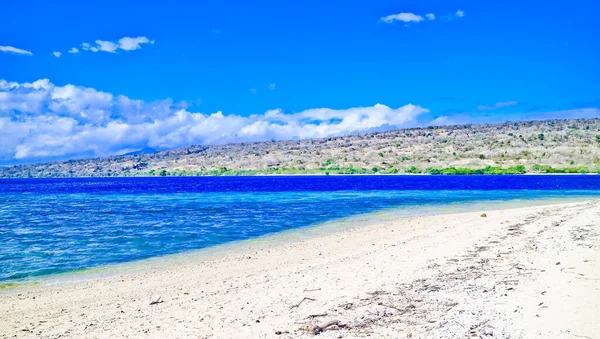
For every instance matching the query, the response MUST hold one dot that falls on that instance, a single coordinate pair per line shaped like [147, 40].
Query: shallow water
[57, 225]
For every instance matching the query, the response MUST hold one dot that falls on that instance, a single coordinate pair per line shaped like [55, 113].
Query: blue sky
[267, 65]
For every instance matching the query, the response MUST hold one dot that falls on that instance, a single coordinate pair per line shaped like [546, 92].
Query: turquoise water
[53, 226]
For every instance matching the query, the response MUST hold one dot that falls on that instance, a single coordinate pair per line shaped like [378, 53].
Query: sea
[53, 226]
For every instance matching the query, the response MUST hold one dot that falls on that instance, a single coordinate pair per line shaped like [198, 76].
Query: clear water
[49, 226]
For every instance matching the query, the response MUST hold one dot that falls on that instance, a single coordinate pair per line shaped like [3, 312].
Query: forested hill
[571, 146]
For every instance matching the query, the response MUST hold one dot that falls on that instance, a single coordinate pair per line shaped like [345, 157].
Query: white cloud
[57, 54]
[106, 46]
[404, 17]
[272, 86]
[11, 49]
[42, 121]
[460, 13]
[125, 44]
[130, 44]
[73, 50]
[496, 105]
[253, 90]
[430, 16]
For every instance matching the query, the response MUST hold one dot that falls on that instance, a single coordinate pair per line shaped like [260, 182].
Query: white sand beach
[531, 272]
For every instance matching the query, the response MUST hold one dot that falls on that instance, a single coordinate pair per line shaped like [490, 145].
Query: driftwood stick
[320, 328]
[393, 307]
[401, 310]
[346, 305]
[313, 290]
[317, 315]
[301, 301]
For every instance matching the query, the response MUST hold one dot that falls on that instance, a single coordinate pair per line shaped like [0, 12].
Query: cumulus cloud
[125, 44]
[106, 46]
[57, 54]
[130, 44]
[14, 50]
[73, 50]
[407, 18]
[460, 13]
[42, 121]
[496, 105]
[404, 17]
[272, 86]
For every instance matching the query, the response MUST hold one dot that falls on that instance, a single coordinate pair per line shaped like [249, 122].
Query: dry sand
[530, 272]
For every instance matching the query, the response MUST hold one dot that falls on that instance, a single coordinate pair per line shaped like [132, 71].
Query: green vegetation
[496, 170]
[270, 171]
[549, 169]
[413, 170]
[486, 170]
[519, 169]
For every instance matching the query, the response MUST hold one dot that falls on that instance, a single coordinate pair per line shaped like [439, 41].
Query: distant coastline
[450, 171]
[547, 147]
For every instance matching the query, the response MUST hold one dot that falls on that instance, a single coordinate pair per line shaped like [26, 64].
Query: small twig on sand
[320, 328]
[317, 315]
[587, 278]
[313, 290]
[346, 306]
[567, 268]
[508, 281]
[401, 310]
[392, 307]
[156, 300]
[301, 301]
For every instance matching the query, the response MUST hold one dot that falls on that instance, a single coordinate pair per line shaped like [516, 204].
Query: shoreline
[529, 271]
[284, 237]
[302, 175]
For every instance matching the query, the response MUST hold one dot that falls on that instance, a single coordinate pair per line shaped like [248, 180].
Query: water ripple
[51, 226]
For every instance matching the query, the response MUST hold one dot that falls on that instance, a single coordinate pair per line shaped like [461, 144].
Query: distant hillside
[145, 150]
[571, 146]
